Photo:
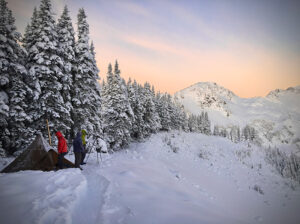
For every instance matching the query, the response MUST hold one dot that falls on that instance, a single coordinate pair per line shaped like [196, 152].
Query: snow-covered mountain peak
[209, 88]
[280, 92]
[207, 95]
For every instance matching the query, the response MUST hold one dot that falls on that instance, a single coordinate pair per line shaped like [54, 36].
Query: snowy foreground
[170, 178]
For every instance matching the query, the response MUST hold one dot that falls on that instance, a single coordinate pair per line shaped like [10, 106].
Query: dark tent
[38, 156]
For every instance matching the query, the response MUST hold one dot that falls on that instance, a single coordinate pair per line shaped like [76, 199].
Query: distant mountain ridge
[275, 117]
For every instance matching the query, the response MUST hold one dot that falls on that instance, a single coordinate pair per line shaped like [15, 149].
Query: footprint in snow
[127, 173]
[258, 218]
[267, 202]
[60, 180]
[196, 186]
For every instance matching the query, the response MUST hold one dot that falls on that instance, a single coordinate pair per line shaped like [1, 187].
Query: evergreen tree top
[129, 81]
[46, 11]
[7, 21]
[65, 12]
[30, 30]
[109, 69]
[34, 17]
[9, 35]
[83, 27]
[147, 85]
[65, 17]
[109, 74]
[117, 71]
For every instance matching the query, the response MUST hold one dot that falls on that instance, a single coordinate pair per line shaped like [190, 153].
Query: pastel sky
[247, 46]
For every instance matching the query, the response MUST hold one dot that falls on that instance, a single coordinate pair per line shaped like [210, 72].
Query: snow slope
[276, 117]
[170, 178]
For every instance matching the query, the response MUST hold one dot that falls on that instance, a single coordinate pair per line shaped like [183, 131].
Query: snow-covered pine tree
[172, 110]
[253, 134]
[115, 111]
[182, 121]
[137, 130]
[192, 121]
[199, 126]
[206, 125]
[30, 36]
[107, 113]
[216, 131]
[202, 122]
[179, 116]
[44, 65]
[234, 134]
[129, 108]
[163, 112]
[86, 92]
[14, 90]
[4, 116]
[66, 48]
[126, 104]
[139, 110]
[185, 124]
[246, 133]
[238, 134]
[21, 134]
[182, 118]
[151, 118]
[131, 99]
[224, 133]
[96, 95]
[4, 76]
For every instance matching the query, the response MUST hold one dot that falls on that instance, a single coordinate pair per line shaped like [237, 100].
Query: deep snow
[170, 178]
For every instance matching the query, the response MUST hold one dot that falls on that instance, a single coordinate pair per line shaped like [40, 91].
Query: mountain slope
[276, 117]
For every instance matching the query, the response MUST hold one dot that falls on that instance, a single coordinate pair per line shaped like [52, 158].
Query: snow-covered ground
[170, 178]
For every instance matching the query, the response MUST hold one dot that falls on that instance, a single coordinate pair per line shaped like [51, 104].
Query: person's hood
[58, 134]
[83, 132]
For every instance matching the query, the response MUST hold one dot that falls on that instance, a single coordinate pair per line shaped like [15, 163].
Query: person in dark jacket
[78, 149]
[83, 135]
[62, 149]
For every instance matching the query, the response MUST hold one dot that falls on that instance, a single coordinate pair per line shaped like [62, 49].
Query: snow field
[152, 181]
[169, 178]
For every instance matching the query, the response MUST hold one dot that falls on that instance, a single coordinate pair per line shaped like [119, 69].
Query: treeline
[286, 165]
[237, 134]
[48, 74]
[134, 111]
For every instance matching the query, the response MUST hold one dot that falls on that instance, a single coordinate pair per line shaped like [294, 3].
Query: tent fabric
[38, 156]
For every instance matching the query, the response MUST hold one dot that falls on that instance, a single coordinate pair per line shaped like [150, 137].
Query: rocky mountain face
[275, 117]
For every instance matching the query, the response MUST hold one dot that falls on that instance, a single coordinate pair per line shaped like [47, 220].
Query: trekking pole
[100, 154]
[48, 132]
[90, 151]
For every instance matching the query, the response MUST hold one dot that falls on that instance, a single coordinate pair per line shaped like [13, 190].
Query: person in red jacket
[62, 148]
